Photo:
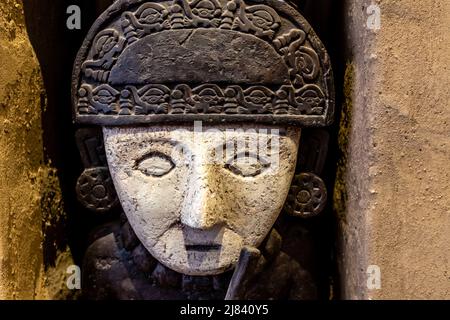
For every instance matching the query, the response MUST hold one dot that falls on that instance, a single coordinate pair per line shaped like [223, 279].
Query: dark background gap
[56, 48]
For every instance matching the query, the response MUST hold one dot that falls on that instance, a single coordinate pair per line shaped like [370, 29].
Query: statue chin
[198, 253]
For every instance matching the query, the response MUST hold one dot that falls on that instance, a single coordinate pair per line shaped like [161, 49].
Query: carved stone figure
[202, 105]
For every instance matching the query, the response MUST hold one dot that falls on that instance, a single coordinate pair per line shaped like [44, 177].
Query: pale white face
[195, 197]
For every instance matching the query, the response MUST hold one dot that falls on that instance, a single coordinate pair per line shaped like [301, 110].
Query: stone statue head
[201, 111]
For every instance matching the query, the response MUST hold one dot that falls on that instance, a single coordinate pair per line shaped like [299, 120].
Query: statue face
[196, 196]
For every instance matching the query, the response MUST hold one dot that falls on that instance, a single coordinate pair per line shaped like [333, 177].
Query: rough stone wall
[397, 176]
[29, 191]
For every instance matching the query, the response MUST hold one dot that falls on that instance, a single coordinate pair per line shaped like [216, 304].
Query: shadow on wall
[56, 47]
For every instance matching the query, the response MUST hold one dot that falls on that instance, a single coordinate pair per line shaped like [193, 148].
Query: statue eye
[155, 164]
[247, 165]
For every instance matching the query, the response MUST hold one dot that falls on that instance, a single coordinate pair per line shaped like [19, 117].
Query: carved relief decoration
[95, 190]
[176, 45]
[307, 197]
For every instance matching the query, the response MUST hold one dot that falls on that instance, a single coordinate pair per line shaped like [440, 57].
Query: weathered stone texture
[397, 214]
[24, 180]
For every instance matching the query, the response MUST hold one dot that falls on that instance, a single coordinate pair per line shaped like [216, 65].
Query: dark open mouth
[203, 248]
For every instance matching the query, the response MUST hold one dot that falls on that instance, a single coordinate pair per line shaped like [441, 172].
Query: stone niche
[191, 115]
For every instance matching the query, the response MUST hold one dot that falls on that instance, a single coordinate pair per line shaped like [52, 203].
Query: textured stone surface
[398, 183]
[219, 56]
[110, 271]
[29, 192]
[191, 208]
[216, 61]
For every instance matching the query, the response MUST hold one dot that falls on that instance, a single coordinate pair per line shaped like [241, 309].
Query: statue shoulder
[105, 274]
[104, 242]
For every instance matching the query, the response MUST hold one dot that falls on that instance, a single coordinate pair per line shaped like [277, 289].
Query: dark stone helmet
[211, 60]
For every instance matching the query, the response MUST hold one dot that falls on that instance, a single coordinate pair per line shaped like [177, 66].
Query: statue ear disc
[307, 197]
[95, 190]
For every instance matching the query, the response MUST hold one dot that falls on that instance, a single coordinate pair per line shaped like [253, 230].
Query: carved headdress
[211, 60]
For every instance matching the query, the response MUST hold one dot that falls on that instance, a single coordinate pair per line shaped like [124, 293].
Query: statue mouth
[203, 248]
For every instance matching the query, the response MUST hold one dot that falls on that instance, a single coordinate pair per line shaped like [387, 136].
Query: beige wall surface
[397, 157]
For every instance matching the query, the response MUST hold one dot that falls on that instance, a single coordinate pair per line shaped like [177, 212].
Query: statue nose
[201, 206]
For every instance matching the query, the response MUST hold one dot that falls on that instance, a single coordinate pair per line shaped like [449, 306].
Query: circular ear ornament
[307, 197]
[95, 190]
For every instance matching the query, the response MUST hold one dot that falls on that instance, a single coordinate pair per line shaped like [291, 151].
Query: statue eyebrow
[136, 140]
[171, 142]
[247, 135]
[232, 148]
